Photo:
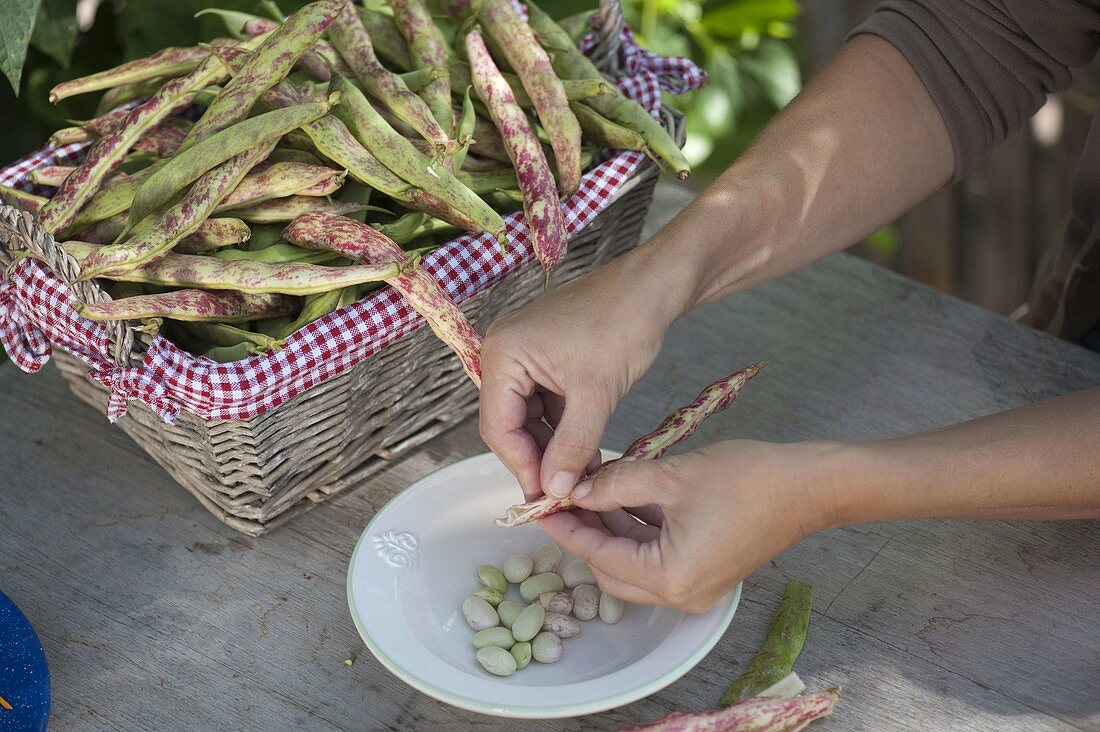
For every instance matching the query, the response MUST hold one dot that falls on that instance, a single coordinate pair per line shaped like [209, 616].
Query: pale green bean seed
[500, 637]
[522, 653]
[518, 567]
[534, 586]
[547, 558]
[529, 623]
[546, 647]
[577, 572]
[479, 614]
[490, 595]
[508, 611]
[611, 609]
[490, 576]
[496, 661]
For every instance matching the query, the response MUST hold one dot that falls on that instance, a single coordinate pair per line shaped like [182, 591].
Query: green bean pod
[542, 84]
[386, 38]
[21, 199]
[168, 62]
[464, 130]
[354, 44]
[359, 241]
[277, 254]
[156, 234]
[224, 335]
[399, 155]
[428, 51]
[575, 89]
[188, 165]
[317, 306]
[316, 62]
[606, 133]
[270, 63]
[245, 276]
[419, 80]
[189, 305]
[578, 25]
[113, 198]
[570, 63]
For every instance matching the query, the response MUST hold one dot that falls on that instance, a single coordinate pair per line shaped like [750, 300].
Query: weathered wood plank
[155, 616]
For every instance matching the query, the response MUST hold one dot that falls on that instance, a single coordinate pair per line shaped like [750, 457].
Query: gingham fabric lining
[36, 313]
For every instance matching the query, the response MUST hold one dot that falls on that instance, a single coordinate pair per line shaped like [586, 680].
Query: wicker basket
[256, 474]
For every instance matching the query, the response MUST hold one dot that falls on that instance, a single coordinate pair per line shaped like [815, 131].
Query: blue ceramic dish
[24, 676]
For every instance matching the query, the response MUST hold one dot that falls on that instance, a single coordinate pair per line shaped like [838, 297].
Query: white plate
[417, 561]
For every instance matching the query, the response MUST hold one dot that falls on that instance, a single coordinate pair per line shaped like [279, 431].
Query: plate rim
[523, 711]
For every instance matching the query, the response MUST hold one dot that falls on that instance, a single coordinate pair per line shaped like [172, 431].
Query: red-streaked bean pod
[271, 61]
[51, 175]
[214, 234]
[283, 179]
[542, 84]
[69, 135]
[354, 44]
[245, 275]
[156, 234]
[540, 196]
[279, 210]
[166, 183]
[21, 199]
[675, 428]
[428, 50]
[760, 713]
[358, 241]
[210, 234]
[110, 150]
[570, 63]
[165, 139]
[316, 62]
[168, 62]
[190, 305]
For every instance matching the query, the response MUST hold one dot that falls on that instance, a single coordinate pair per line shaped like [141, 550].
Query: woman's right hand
[569, 358]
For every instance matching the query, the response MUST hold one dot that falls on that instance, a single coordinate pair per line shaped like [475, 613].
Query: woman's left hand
[724, 511]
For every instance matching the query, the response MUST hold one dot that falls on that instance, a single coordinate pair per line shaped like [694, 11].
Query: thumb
[624, 485]
[575, 442]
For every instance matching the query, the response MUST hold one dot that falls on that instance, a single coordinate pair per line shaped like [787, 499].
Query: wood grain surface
[156, 617]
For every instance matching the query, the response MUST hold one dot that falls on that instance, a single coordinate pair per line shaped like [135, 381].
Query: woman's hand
[727, 509]
[567, 359]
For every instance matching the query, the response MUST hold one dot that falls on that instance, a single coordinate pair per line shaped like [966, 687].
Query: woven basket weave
[256, 474]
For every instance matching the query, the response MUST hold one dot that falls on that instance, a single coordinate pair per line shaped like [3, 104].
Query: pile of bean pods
[554, 596]
[334, 147]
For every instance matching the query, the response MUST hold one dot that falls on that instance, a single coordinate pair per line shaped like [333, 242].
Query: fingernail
[561, 484]
[583, 489]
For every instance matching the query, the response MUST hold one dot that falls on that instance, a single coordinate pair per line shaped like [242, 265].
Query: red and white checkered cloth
[36, 311]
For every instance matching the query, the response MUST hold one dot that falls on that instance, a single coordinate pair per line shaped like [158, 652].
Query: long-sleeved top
[989, 65]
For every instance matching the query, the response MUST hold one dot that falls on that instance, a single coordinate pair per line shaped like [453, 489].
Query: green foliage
[752, 68]
[15, 34]
[55, 30]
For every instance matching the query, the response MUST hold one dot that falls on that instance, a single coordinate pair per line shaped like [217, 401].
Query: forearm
[860, 145]
[1036, 462]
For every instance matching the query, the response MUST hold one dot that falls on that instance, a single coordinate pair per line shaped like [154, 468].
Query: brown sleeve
[988, 64]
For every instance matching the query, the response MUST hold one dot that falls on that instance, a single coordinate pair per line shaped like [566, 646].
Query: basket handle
[20, 234]
[608, 26]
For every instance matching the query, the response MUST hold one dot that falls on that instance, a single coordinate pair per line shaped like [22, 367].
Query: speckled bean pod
[189, 305]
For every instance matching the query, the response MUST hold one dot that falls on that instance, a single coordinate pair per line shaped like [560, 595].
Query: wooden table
[155, 616]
